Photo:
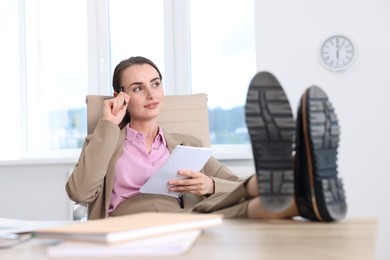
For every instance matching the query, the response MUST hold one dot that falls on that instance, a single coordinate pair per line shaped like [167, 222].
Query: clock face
[337, 52]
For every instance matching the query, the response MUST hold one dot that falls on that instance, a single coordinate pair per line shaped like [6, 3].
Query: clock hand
[338, 49]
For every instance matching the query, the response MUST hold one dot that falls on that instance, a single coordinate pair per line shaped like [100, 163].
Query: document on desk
[168, 244]
[181, 158]
[10, 226]
[16, 231]
[130, 227]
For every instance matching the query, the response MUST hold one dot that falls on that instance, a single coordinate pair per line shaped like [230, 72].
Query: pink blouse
[134, 166]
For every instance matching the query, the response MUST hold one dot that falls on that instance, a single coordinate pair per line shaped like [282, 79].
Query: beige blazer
[92, 179]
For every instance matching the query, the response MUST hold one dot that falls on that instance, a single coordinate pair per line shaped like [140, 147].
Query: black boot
[319, 192]
[271, 128]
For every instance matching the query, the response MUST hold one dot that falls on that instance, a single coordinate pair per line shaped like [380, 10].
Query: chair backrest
[184, 114]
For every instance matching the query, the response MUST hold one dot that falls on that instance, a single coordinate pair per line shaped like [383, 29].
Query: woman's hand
[196, 182]
[114, 110]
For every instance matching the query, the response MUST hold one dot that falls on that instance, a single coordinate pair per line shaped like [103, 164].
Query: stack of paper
[137, 234]
[16, 231]
[16, 226]
[124, 228]
[169, 244]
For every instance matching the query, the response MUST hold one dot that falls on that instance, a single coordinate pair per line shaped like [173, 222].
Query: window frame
[178, 29]
[177, 74]
[54, 155]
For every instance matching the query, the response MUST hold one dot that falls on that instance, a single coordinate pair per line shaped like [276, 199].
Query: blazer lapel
[171, 140]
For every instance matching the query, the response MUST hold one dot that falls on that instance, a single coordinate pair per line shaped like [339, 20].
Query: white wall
[289, 34]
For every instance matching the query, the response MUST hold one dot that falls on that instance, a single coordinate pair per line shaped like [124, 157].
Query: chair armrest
[80, 211]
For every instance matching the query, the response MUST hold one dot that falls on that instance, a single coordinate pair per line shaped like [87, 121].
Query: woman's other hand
[114, 110]
[196, 182]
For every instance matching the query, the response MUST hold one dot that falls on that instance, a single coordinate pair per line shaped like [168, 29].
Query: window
[54, 53]
[10, 80]
[56, 74]
[136, 29]
[45, 68]
[223, 63]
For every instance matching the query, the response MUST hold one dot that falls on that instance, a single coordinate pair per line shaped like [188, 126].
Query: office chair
[185, 114]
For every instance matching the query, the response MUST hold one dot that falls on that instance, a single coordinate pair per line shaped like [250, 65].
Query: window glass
[9, 81]
[223, 62]
[137, 29]
[57, 74]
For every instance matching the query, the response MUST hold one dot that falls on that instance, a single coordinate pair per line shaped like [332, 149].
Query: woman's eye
[156, 84]
[137, 89]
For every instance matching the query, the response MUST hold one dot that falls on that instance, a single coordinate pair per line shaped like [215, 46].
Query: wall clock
[337, 53]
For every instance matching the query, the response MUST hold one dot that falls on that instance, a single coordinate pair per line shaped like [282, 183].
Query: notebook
[129, 227]
[168, 244]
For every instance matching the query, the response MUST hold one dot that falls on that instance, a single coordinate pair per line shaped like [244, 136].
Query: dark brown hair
[116, 77]
[124, 64]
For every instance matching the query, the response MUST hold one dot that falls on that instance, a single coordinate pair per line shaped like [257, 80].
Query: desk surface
[352, 238]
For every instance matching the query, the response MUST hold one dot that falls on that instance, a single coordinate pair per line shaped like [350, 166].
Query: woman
[101, 177]
[128, 146]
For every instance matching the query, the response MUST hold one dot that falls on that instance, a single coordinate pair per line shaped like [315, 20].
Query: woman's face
[143, 84]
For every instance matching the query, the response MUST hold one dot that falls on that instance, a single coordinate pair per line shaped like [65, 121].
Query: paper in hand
[181, 158]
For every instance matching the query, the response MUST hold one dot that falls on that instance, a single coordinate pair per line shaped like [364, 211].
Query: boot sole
[321, 133]
[271, 129]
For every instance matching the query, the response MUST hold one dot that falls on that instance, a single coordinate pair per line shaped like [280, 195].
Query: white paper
[15, 226]
[169, 244]
[16, 231]
[181, 158]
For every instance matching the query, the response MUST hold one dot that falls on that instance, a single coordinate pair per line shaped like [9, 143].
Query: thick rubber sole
[321, 140]
[271, 129]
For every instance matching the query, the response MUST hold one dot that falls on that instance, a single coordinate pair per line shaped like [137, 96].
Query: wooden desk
[352, 238]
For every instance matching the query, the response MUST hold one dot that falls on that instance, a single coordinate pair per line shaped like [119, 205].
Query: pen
[123, 90]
